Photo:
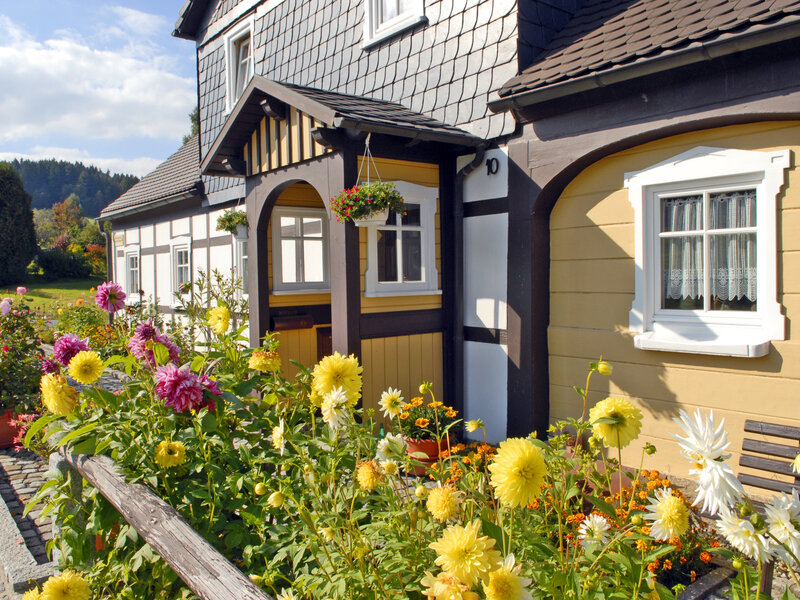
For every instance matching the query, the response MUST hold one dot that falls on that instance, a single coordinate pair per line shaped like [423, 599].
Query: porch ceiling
[334, 110]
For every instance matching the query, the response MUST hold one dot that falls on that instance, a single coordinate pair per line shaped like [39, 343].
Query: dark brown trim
[452, 240]
[320, 314]
[480, 208]
[485, 335]
[405, 322]
[273, 108]
[220, 240]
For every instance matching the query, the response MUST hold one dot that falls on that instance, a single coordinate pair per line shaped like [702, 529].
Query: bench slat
[766, 464]
[783, 431]
[766, 484]
[769, 448]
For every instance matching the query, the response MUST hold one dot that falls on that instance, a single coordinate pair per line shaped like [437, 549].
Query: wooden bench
[769, 457]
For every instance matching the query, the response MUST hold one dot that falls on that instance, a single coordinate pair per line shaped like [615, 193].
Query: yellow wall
[299, 345]
[592, 287]
[421, 174]
[400, 362]
[277, 143]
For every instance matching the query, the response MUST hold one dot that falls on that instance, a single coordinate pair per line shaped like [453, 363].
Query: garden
[310, 497]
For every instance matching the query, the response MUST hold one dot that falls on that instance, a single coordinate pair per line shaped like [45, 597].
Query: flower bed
[289, 479]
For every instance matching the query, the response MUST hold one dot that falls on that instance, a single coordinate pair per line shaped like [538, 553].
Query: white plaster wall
[199, 227]
[132, 236]
[162, 233]
[212, 220]
[180, 227]
[147, 265]
[480, 184]
[147, 235]
[163, 278]
[221, 259]
[199, 259]
[485, 271]
[486, 388]
[119, 270]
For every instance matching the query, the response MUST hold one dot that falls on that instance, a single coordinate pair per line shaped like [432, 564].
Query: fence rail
[201, 567]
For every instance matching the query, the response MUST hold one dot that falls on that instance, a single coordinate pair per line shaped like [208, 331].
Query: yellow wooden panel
[306, 125]
[592, 311]
[298, 299]
[300, 194]
[299, 345]
[274, 143]
[402, 170]
[295, 135]
[283, 134]
[264, 141]
[254, 152]
[319, 149]
[788, 268]
[592, 275]
[607, 241]
[246, 157]
[597, 208]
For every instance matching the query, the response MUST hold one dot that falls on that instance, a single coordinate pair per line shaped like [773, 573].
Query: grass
[46, 296]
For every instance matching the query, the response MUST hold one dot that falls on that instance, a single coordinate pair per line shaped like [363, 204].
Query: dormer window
[240, 68]
[385, 18]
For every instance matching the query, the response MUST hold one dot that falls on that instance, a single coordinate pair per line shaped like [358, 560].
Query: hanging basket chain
[367, 158]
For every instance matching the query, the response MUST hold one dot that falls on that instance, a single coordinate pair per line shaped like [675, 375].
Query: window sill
[730, 344]
[388, 293]
[393, 29]
[300, 292]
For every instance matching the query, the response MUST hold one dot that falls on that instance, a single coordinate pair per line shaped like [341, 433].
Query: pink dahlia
[67, 346]
[22, 290]
[50, 366]
[145, 336]
[110, 297]
[210, 390]
[179, 388]
[5, 307]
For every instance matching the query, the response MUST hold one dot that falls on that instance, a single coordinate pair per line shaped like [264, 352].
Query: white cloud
[134, 166]
[140, 23]
[65, 86]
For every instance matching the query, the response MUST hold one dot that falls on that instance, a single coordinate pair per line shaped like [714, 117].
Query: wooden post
[207, 573]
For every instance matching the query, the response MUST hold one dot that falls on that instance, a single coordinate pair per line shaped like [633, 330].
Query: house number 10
[492, 166]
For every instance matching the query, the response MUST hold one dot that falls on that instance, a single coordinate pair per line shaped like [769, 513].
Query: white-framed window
[299, 249]
[181, 261]
[239, 61]
[133, 282]
[706, 252]
[401, 254]
[241, 266]
[385, 18]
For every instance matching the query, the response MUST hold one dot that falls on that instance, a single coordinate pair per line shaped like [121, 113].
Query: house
[586, 177]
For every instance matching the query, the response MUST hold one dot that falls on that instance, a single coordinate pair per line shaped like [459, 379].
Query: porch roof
[608, 41]
[333, 109]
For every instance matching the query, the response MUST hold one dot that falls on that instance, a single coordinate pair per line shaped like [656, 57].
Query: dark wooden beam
[451, 223]
[235, 167]
[403, 322]
[274, 108]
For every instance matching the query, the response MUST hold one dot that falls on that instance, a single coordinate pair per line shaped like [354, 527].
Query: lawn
[45, 295]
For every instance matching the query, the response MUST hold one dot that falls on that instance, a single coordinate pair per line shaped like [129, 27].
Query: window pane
[412, 256]
[243, 66]
[288, 261]
[732, 209]
[388, 9]
[404, 5]
[684, 213]
[313, 262]
[682, 272]
[290, 227]
[387, 255]
[732, 259]
[312, 227]
[412, 216]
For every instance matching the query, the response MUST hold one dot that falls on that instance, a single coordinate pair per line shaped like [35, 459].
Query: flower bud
[757, 520]
[637, 520]
[745, 510]
[261, 488]
[257, 579]
[604, 368]
[276, 499]
[650, 449]
[421, 492]
[425, 387]
[738, 564]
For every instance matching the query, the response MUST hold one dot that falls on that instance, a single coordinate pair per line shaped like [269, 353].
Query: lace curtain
[732, 256]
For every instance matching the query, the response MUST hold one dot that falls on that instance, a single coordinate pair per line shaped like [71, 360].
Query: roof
[335, 110]
[609, 35]
[189, 19]
[176, 177]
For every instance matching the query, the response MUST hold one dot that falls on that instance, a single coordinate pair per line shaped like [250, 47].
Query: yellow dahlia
[219, 319]
[669, 515]
[465, 554]
[170, 454]
[443, 502]
[337, 371]
[368, 474]
[518, 472]
[58, 396]
[505, 583]
[616, 421]
[85, 367]
[446, 587]
[279, 436]
[69, 585]
[33, 594]
[266, 361]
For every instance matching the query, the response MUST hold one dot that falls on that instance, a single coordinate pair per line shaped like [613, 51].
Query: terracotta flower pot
[7, 431]
[431, 450]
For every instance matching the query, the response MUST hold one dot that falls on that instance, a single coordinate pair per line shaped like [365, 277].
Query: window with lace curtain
[386, 18]
[706, 252]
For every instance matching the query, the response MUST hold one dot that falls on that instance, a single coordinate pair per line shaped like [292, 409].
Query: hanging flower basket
[367, 204]
[232, 221]
[241, 232]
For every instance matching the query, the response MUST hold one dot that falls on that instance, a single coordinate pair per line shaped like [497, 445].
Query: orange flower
[404, 416]
[666, 483]
[643, 495]
[415, 402]
[651, 485]
[705, 557]
[668, 565]
[451, 413]
[693, 575]
[654, 475]
[684, 560]
[421, 422]
[435, 404]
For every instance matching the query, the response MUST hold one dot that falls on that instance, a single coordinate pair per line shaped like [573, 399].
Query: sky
[103, 83]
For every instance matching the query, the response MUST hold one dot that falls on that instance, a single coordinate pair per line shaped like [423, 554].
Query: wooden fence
[204, 570]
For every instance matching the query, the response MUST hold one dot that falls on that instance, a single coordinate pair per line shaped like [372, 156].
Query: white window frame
[232, 40]
[183, 242]
[131, 251]
[278, 286]
[725, 333]
[241, 270]
[375, 31]
[427, 198]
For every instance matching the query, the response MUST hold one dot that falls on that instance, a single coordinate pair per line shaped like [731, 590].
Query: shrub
[56, 264]
[20, 359]
[17, 234]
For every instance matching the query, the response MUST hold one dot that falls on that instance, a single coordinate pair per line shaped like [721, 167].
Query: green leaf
[606, 421]
[603, 506]
[209, 423]
[495, 532]
[37, 425]
[77, 433]
[160, 353]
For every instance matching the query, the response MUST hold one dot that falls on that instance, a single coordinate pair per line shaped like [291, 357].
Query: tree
[17, 236]
[194, 117]
[67, 214]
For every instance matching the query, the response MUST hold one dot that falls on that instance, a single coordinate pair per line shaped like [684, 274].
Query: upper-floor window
[299, 249]
[240, 68]
[385, 18]
[706, 252]
[401, 253]
[132, 281]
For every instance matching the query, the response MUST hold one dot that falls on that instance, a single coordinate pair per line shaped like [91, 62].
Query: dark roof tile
[179, 174]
